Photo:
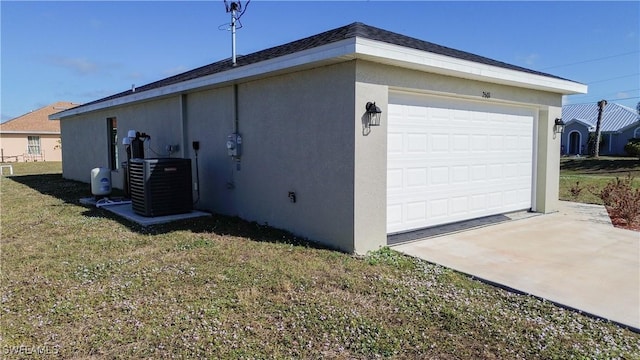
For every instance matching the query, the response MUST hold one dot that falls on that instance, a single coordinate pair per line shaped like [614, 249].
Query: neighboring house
[619, 124]
[33, 136]
[461, 136]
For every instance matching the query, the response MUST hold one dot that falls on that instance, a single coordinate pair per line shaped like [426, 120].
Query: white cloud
[531, 59]
[80, 66]
[135, 76]
[95, 23]
[86, 95]
[622, 95]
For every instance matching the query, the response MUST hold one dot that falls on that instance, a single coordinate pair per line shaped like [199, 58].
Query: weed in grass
[389, 257]
[575, 190]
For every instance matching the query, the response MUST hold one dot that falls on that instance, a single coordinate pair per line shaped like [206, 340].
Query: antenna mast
[233, 8]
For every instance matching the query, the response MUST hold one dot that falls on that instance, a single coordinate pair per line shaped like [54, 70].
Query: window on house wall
[112, 131]
[636, 133]
[33, 145]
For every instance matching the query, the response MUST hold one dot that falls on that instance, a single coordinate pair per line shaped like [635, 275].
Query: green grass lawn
[78, 282]
[591, 174]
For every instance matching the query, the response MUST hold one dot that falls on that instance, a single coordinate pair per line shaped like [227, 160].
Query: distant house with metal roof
[619, 124]
[32, 136]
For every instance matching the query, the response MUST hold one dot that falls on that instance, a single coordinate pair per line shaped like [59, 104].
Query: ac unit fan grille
[160, 186]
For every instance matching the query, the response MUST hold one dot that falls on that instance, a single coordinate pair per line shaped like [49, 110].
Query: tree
[601, 105]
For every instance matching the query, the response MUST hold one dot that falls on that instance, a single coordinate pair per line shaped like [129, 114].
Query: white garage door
[452, 160]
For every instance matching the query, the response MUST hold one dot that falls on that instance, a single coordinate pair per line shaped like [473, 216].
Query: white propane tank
[100, 181]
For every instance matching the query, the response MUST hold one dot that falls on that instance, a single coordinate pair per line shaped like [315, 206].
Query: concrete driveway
[574, 257]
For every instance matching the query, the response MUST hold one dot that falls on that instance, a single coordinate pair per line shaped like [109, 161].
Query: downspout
[184, 150]
[235, 126]
[235, 108]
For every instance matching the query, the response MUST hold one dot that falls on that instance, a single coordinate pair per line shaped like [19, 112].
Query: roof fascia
[446, 65]
[337, 51]
[348, 49]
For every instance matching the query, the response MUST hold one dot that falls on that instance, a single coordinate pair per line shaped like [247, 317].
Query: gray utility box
[160, 186]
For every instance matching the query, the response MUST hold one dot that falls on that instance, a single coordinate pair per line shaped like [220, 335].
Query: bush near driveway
[77, 282]
[602, 182]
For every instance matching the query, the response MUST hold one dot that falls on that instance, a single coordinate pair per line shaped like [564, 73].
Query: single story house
[33, 136]
[619, 124]
[460, 136]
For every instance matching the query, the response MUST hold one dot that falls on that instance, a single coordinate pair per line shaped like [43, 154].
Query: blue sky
[83, 50]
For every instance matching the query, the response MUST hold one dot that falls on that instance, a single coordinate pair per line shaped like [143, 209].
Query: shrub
[632, 148]
[621, 198]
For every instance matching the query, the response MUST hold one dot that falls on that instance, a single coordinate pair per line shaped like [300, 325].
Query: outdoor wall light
[374, 114]
[558, 127]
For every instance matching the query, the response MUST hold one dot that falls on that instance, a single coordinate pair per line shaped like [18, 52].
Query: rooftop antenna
[234, 7]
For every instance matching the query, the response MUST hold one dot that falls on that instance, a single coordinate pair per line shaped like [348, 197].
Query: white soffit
[345, 50]
[440, 64]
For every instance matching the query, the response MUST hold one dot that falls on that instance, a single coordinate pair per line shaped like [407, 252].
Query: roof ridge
[52, 105]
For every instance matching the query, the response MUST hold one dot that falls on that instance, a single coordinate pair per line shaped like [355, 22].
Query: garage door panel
[394, 143]
[416, 177]
[394, 215]
[454, 163]
[394, 179]
[416, 210]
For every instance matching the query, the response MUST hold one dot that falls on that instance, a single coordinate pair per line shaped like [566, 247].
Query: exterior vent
[160, 186]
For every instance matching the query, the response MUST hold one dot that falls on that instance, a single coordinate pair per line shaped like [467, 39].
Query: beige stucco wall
[298, 136]
[297, 133]
[370, 177]
[548, 162]
[84, 145]
[85, 138]
[302, 132]
[16, 145]
[406, 79]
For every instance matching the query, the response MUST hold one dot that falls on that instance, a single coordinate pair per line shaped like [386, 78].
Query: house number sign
[486, 94]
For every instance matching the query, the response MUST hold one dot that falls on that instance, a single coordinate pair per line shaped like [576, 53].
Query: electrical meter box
[234, 145]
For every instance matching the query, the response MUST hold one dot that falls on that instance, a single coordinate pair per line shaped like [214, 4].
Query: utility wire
[588, 96]
[591, 60]
[613, 78]
[593, 102]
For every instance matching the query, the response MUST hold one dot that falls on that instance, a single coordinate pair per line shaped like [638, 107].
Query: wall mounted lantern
[558, 126]
[373, 113]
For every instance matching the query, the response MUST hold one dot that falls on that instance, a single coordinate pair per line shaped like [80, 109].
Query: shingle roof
[614, 118]
[349, 31]
[37, 120]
